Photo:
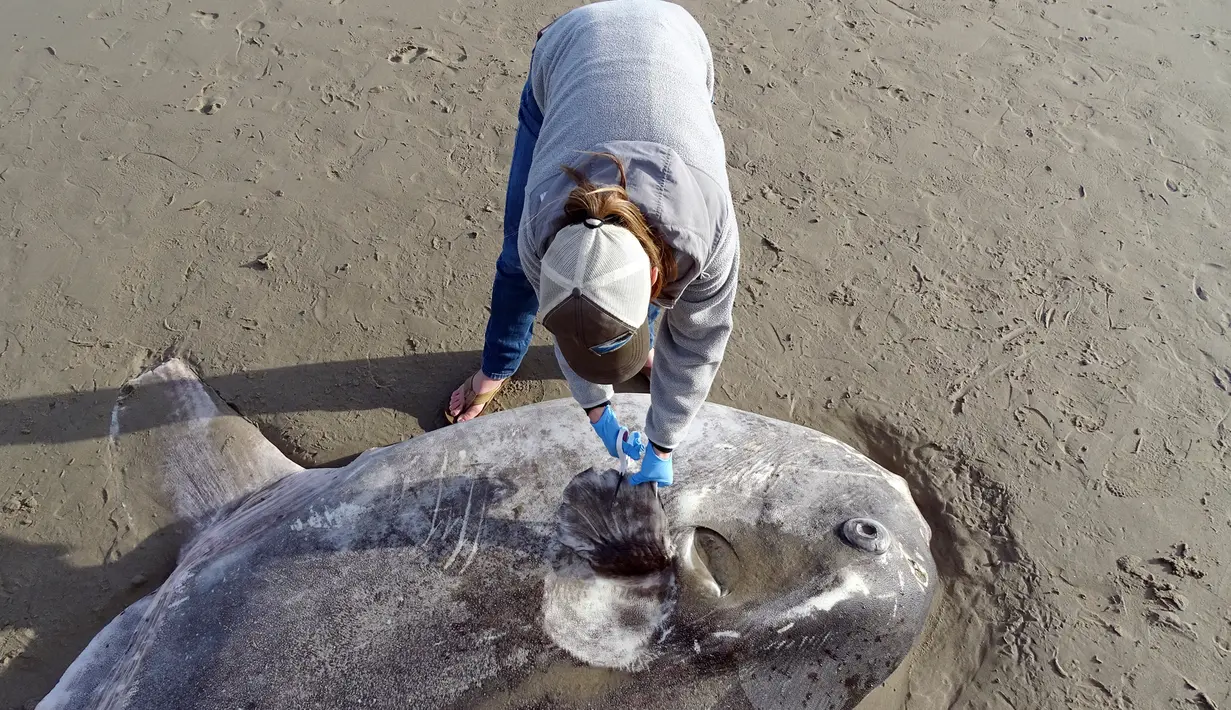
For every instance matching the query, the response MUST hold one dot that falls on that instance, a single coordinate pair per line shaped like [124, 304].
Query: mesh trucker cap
[594, 297]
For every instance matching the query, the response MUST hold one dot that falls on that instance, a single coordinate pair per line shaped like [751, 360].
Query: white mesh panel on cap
[608, 266]
[557, 268]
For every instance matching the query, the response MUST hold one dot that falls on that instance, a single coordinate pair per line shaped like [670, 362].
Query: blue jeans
[514, 303]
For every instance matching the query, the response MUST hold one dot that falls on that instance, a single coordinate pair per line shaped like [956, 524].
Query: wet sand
[986, 243]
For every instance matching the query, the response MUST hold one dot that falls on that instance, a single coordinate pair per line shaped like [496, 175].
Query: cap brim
[613, 368]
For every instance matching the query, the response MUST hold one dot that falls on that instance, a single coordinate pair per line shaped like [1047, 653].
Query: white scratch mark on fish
[478, 535]
[461, 536]
[440, 490]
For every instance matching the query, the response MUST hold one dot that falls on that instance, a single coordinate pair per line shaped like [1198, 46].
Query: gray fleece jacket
[635, 78]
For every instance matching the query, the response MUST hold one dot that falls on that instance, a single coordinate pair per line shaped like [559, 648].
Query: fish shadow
[50, 608]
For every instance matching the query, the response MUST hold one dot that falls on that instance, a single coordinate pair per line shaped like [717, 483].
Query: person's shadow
[418, 385]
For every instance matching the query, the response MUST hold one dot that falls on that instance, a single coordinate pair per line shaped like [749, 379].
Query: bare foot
[649, 364]
[482, 384]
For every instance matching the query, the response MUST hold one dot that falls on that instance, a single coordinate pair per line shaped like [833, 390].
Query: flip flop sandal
[470, 398]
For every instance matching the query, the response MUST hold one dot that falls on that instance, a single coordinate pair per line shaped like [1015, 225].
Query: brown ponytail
[612, 204]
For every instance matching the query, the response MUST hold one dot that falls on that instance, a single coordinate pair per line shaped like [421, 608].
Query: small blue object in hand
[608, 429]
[654, 469]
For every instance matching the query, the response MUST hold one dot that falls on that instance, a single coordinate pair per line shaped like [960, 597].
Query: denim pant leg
[653, 316]
[514, 303]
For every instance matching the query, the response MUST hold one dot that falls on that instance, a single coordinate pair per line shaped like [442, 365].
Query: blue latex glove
[654, 470]
[608, 429]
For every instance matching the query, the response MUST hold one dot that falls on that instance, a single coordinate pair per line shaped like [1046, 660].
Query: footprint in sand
[250, 31]
[208, 105]
[1208, 283]
[250, 28]
[207, 19]
[1222, 378]
[407, 54]
[1211, 289]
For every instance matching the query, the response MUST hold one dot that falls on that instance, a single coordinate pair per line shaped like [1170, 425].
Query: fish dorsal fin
[170, 427]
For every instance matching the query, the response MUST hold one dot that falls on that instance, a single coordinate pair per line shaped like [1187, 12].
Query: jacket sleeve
[527, 254]
[586, 393]
[691, 342]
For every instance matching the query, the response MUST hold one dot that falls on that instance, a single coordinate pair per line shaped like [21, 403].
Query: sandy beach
[986, 243]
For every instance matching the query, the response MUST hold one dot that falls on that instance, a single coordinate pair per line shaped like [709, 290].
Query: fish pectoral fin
[618, 529]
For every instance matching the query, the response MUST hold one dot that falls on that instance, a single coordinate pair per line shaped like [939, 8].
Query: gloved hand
[654, 469]
[608, 429]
